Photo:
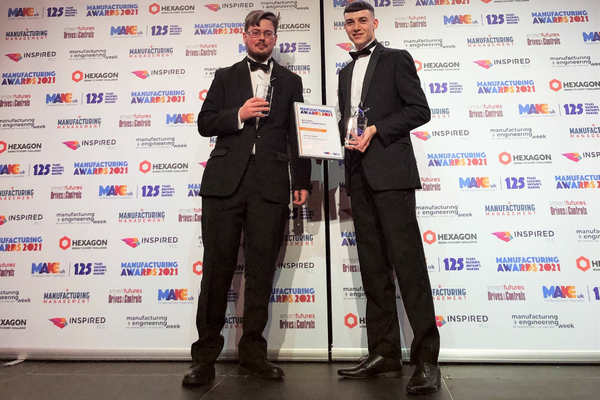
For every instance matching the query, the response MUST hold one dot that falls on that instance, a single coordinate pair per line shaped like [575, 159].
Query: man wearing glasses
[246, 189]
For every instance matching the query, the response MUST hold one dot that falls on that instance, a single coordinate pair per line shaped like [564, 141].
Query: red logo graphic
[345, 46]
[198, 268]
[350, 320]
[145, 166]
[3, 146]
[2, 220]
[213, 7]
[141, 74]
[583, 264]
[131, 242]
[504, 236]
[154, 8]
[202, 94]
[418, 65]
[424, 135]
[573, 156]
[73, 145]
[77, 76]
[440, 321]
[64, 243]
[484, 63]
[60, 322]
[16, 57]
[555, 85]
[505, 158]
[429, 237]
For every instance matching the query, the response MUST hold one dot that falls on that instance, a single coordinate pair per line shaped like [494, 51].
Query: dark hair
[359, 5]
[254, 18]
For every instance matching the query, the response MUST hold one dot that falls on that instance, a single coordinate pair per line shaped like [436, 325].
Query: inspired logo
[424, 135]
[213, 7]
[440, 321]
[141, 74]
[345, 46]
[60, 322]
[484, 63]
[73, 145]
[2, 220]
[504, 236]
[16, 57]
[131, 242]
[573, 156]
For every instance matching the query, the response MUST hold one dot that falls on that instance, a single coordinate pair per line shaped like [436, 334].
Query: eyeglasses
[255, 34]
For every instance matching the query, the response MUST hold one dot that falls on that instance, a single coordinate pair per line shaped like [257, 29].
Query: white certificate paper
[318, 133]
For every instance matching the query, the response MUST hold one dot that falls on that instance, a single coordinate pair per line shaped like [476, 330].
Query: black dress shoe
[263, 369]
[426, 379]
[372, 366]
[199, 374]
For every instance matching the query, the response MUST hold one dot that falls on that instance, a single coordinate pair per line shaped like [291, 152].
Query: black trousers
[388, 240]
[223, 220]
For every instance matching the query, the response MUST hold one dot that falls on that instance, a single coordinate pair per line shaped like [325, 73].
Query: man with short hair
[246, 188]
[381, 178]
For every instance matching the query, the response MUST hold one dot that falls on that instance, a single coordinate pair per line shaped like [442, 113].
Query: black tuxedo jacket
[229, 91]
[392, 90]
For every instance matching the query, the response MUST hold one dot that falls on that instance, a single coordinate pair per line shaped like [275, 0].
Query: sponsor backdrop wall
[100, 169]
[101, 163]
[509, 210]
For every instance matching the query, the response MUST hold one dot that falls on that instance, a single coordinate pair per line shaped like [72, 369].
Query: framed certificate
[318, 133]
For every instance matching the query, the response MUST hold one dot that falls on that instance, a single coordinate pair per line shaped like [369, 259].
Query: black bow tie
[364, 52]
[254, 65]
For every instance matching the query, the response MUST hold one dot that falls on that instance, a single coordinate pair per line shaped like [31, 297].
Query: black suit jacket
[392, 90]
[229, 91]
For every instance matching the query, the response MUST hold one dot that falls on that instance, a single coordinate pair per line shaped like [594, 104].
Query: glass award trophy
[264, 91]
[356, 125]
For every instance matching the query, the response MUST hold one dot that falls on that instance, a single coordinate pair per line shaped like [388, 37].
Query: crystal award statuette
[356, 125]
[264, 91]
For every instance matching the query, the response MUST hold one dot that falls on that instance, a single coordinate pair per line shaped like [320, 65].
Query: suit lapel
[370, 71]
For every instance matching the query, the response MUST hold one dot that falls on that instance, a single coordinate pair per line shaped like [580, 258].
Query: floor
[49, 380]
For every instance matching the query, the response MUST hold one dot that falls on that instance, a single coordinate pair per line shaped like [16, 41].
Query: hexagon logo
[77, 76]
[198, 268]
[202, 95]
[583, 264]
[2, 220]
[555, 85]
[429, 237]
[350, 320]
[64, 243]
[154, 8]
[3, 146]
[145, 166]
[505, 158]
[418, 65]
[487, 1]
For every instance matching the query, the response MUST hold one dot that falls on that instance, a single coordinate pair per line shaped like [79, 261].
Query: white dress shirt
[256, 77]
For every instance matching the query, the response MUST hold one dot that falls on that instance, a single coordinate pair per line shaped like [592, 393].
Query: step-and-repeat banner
[509, 210]
[101, 164]
[100, 170]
